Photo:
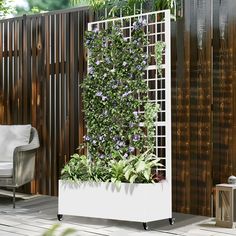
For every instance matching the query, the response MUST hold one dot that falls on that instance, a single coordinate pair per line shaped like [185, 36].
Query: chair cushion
[6, 169]
[12, 136]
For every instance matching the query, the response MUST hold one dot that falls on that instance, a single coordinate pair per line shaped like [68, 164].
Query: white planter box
[132, 202]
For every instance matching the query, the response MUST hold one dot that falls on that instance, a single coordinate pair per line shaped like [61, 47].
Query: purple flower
[139, 24]
[124, 63]
[99, 94]
[98, 62]
[115, 138]
[126, 94]
[94, 142]
[101, 156]
[101, 138]
[135, 114]
[131, 149]
[136, 137]
[139, 67]
[104, 98]
[91, 70]
[131, 124]
[125, 155]
[86, 138]
[96, 30]
[143, 22]
[121, 143]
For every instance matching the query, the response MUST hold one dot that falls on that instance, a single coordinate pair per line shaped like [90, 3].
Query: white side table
[225, 205]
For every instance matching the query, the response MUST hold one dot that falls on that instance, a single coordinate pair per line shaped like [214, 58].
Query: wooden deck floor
[36, 215]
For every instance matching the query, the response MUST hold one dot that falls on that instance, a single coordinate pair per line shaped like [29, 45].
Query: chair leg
[14, 197]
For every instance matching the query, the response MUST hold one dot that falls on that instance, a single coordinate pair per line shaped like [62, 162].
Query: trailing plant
[159, 47]
[111, 92]
[150, 117]
[119, 137]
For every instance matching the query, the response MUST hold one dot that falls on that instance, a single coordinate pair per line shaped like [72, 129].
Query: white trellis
[133, 202]
[157, 29]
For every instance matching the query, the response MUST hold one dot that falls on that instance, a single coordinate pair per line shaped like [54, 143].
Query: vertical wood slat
[52, 98]
[34, 83]
[206, 91]
[1, 75]
[57, 103]
[5, 75]
[47, 103]
[39, 84]
[10, 74]
[16, 72]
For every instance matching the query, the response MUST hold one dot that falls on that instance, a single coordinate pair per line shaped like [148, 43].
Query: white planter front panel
[132, 202]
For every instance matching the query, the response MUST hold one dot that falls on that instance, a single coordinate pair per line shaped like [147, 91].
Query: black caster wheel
[59, 217]
[171, 221]
[145, 226]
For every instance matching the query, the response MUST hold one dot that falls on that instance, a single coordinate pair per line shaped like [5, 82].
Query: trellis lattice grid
[157, 28]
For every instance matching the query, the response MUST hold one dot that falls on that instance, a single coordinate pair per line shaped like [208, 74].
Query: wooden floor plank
[36, 215]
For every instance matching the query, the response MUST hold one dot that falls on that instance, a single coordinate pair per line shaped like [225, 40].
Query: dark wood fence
[204, 102]
[42, 62]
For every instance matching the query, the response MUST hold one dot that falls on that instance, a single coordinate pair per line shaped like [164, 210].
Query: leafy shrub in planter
[119, 137]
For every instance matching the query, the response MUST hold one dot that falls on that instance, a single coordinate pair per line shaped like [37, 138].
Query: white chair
[18, 145]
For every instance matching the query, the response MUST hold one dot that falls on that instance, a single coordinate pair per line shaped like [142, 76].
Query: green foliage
[116, 170]
[80, 168]
[135, 169]
[141, 168]
[159, 47]
[53, 231]
[128, 7]
[113, 92]
[150, 117]
[6, 8]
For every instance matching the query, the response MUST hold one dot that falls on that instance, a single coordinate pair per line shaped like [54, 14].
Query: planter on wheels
[131, 202]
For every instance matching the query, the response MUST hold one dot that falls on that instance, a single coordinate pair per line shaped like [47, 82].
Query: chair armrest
[24, 161]
[34, 144]
[25, 148]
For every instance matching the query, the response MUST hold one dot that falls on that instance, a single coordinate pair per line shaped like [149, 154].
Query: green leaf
[52, 230]
[140, 166]
[147, 174]
[133, 178]
[128, 170]
[113, 180]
